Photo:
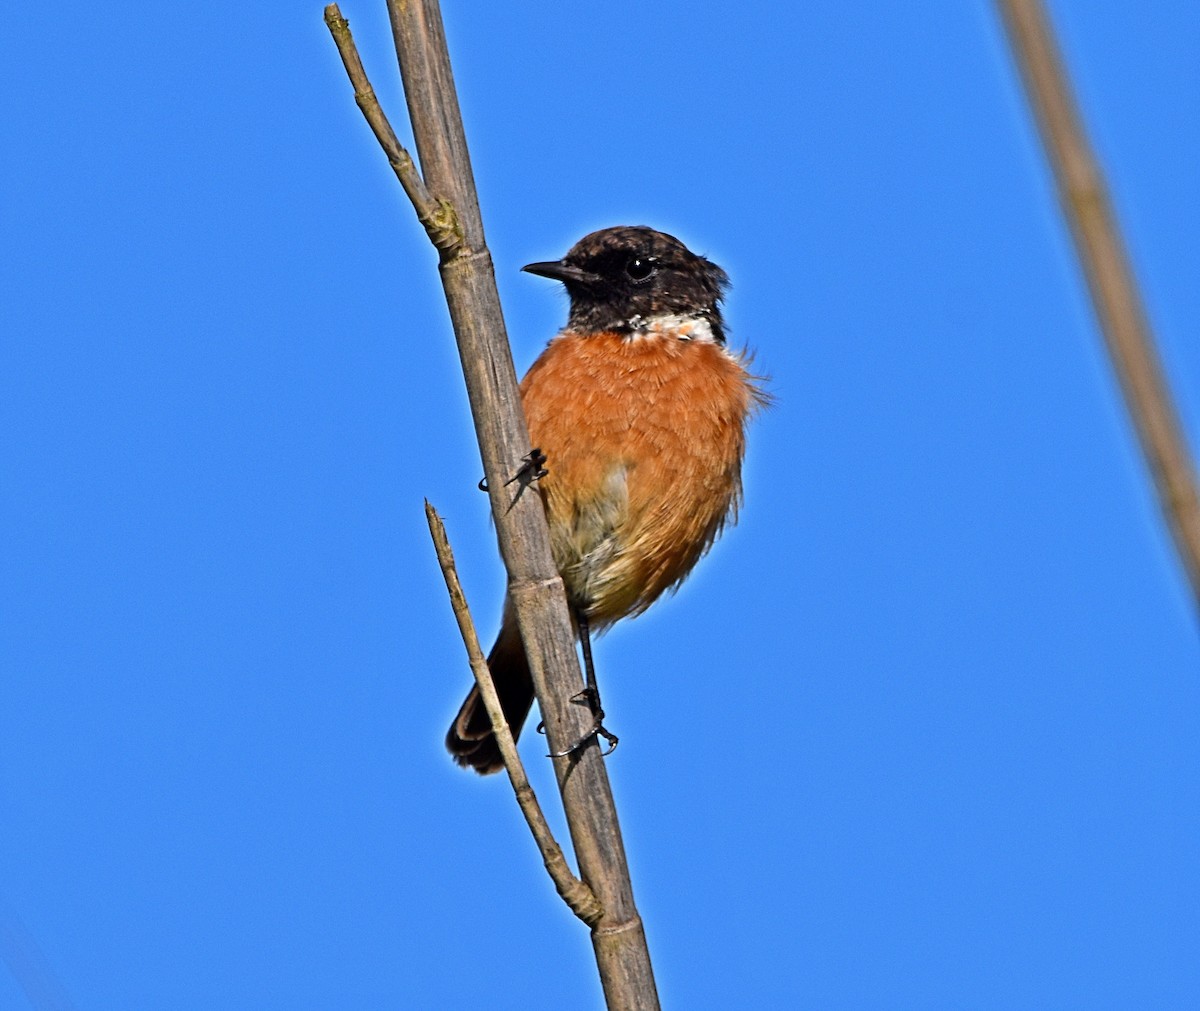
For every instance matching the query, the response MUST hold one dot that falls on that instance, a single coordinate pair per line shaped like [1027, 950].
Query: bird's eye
[640, 267]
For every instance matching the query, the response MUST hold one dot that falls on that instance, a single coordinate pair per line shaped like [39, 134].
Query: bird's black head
[621, 278]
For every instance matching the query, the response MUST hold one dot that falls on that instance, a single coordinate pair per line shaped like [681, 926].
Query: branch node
[444, 230]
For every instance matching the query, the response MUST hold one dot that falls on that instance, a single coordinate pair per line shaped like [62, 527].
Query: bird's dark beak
[560, 270]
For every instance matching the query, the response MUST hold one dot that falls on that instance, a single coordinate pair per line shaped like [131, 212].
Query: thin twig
[1114, 290]
[437, 216]
[575, 893]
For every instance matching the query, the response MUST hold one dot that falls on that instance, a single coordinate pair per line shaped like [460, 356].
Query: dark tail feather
[470, 739]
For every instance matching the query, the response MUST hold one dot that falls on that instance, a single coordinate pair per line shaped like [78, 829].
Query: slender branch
[437, 216]
[1114, 289]
[575, 893]
[534, 585]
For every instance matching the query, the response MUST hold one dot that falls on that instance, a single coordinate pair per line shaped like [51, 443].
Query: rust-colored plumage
[644, 439]
[640, 411]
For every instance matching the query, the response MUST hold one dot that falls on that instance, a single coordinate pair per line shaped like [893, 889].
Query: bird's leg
[532, 467]
[590, 696]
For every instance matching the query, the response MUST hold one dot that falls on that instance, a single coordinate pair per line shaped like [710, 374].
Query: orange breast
[644, 439]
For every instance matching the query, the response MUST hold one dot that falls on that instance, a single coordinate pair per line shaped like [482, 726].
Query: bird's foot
[532, 467]
[591, 698]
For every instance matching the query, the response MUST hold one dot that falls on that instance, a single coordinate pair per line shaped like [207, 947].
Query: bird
[638, 409]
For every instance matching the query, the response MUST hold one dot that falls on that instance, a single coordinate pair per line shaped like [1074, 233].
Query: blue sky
[921, 731]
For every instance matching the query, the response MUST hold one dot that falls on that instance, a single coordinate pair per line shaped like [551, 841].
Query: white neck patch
[683, 328]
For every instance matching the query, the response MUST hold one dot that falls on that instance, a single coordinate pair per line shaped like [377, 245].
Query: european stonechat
[640, 409]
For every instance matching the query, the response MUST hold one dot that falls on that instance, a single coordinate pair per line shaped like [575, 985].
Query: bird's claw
[532, 467]
[530, 470]
[588, 697]
[597, 730]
